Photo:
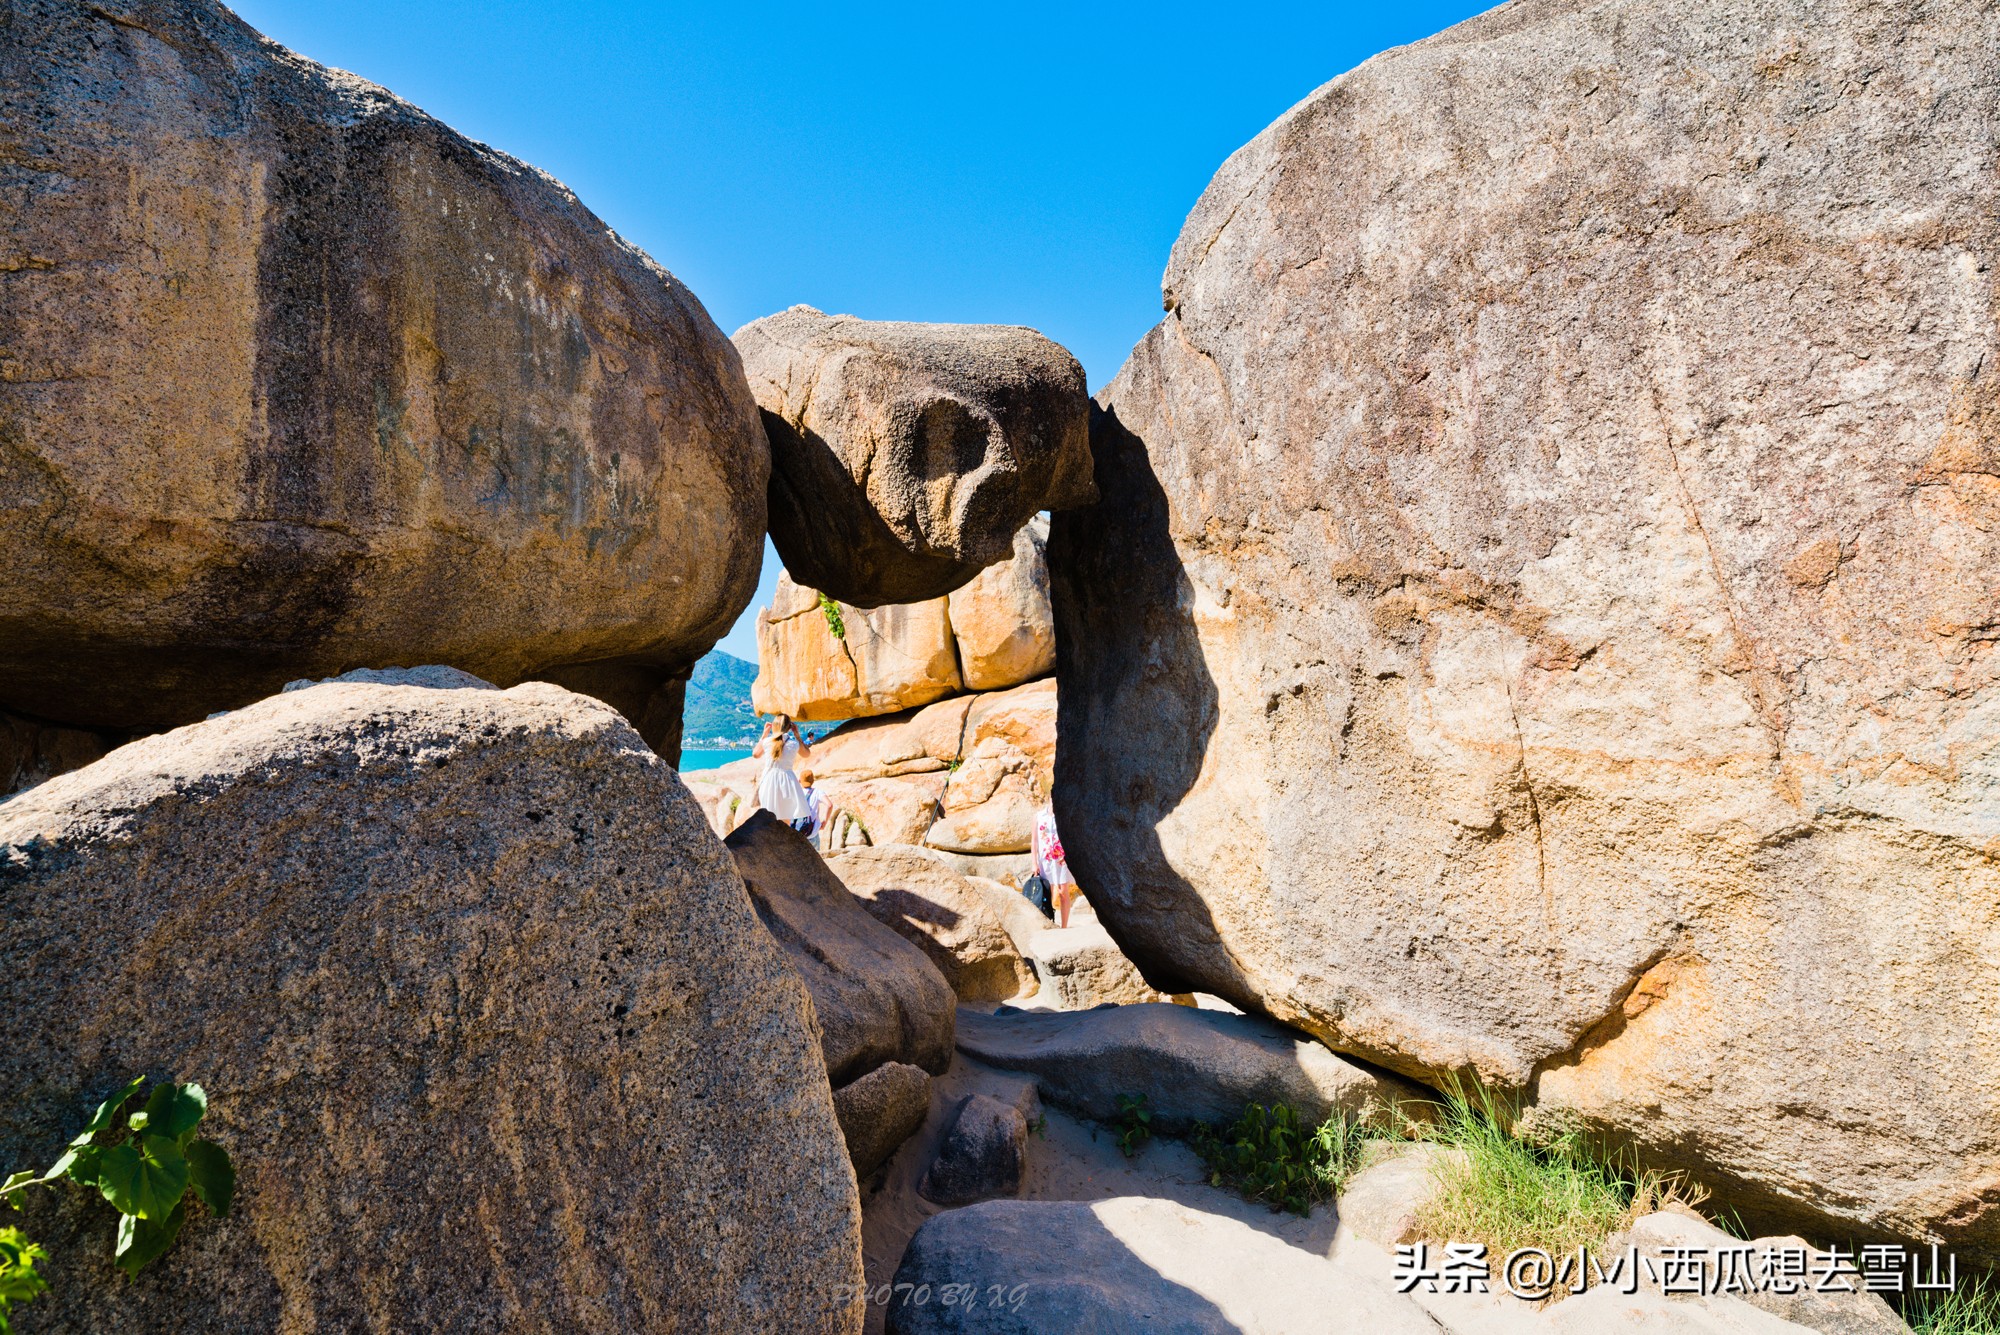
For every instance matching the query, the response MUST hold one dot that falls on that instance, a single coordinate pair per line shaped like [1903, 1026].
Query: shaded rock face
[878, 997]
[880, 1111]
[1540, 619]
[465, 976]
[299, 379]
[983, 1154]
[905, 456]
[1191, 1066]
[945, 914]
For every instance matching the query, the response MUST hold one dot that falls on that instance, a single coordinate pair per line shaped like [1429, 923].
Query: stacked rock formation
[823, 659]
[1540, 618]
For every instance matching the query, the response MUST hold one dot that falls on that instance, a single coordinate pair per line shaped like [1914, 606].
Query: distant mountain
[718, 714]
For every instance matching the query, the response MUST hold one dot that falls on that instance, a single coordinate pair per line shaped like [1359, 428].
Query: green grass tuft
[1513, 1186]
[1971, 1309]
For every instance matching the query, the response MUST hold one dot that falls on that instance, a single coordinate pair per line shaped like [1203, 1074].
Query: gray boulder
[878, 997]
[983, 1154]
[1191, 1065]
[905, 457]
[1129, 1264]
[484, 1018]
[880, 1111]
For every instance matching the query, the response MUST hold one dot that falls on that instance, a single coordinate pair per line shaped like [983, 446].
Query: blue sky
[1021, 163]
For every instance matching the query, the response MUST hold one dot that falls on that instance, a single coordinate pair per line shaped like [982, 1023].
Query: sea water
[694, 760]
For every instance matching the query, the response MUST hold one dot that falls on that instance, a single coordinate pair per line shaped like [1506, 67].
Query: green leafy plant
[1268, 1154]
[18, 1281]
[1970, 1309]
[834, 621]
[1039, 1128]
[1134, 1124]
[145, 1168]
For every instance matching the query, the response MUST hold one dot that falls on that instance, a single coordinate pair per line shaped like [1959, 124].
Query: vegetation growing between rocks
[1513, 1186]
[834, 621]
[1135, 1124]
[1971, 1309]
[18, 1281]
[145, 1168]
[1268, 1154]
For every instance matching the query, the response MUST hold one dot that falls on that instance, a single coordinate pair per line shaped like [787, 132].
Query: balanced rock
[983, 1154]
[878, 997]
[480, 1006]
[947, 916]
[296, 377]
[906, 456]
[1541, 610]
[1190, 1066]
[880, 1111]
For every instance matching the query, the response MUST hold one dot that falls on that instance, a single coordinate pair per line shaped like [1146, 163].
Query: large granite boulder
[945, 914]
[851, 662]
[878, 998]
[1001, 621]
[881, 1110]
[485, 1019]
[906, 456]
[296, 378]
[1540, 619]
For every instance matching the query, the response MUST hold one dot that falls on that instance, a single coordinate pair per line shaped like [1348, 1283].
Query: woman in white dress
[1052, 866]
[778, 788]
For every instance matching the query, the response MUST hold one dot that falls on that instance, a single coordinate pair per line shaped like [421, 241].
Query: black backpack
[1037, 891]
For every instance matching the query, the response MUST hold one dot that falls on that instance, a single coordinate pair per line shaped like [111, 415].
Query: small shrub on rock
[1268, 1154]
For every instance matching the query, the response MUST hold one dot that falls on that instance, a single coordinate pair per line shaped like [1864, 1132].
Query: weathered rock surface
[886, 659]
[906, 456]
[1384, 1201]
[880, 1111]
[943, 913]
[994, 633]
[878, 998]
[1080, 966]
[1002, 622]
[31, 751]
[296, 377]
[1190, 1065]
[1666, 1234]
[1472, 661]
[1128, 1264]
[480, 1006]
[982, 1156]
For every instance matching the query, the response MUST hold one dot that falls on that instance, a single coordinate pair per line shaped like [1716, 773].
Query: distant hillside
[718, 713]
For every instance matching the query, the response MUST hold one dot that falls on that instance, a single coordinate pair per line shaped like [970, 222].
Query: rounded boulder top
[906, 456]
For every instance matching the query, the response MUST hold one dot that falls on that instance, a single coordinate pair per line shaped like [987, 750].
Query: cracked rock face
[481, 1008]
[906, 456]
[295, 378]
[1541, 617]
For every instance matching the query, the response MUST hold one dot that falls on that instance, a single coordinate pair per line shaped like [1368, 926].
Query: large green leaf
[106, 1113]
[81, 1164]
[171, 1110]
[213, 1176]
[142, 1240]
[144, 1178]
